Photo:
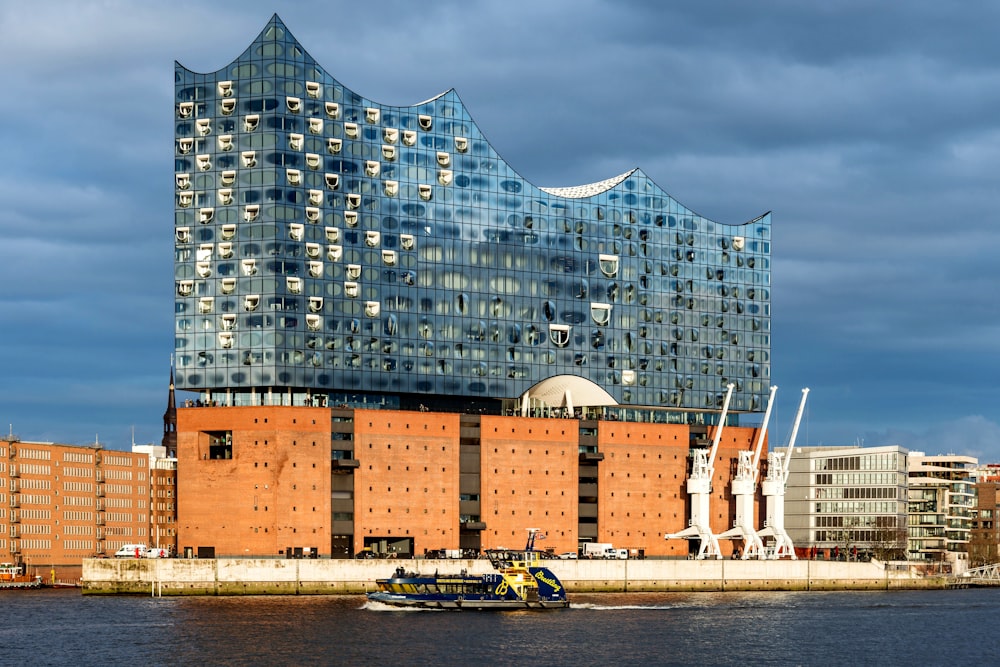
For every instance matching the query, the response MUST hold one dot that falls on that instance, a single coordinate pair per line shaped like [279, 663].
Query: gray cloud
[869, 129]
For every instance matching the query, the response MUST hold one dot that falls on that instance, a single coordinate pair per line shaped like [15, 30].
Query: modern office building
[399, 343]
[848, 500]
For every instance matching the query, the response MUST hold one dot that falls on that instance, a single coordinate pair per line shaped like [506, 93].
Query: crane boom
[763, 432]
[718, 429]
[795, 433]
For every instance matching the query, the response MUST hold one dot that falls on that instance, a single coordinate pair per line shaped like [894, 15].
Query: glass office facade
[327, 244]
[847, 498]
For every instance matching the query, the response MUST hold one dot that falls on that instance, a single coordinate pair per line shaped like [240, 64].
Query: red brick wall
[407, 483]
[272, 494]
[642, 485]
[530, 479]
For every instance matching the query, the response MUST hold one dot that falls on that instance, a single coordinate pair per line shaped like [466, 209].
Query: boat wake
[590, 606]
[381, 606]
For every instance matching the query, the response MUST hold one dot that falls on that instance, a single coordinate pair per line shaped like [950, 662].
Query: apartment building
[942, 501]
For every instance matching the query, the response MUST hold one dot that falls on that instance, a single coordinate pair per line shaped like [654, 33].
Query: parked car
[569, 555]
[366, 553]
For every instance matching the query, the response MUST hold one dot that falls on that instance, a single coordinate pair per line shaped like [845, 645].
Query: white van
[131, 551]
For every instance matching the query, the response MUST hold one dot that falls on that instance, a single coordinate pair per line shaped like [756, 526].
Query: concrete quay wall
[250, 576]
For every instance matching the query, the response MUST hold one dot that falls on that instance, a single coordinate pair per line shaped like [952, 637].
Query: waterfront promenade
[254, 576]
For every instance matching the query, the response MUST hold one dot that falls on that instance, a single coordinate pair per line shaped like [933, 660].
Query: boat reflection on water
[519, 581]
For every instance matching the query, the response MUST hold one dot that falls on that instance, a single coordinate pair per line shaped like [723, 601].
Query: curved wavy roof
[451, 97]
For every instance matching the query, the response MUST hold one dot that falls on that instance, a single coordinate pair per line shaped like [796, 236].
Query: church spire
[170, 419]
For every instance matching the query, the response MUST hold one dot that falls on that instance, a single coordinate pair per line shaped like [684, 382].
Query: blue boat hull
[476, 592]
[458, 602]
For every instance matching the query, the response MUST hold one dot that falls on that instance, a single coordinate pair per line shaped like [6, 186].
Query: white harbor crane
[744, 490]
[699, 486]
[774, 492]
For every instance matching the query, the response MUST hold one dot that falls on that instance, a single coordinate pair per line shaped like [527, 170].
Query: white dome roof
[568, 391]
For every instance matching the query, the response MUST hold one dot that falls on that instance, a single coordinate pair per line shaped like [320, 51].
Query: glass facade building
[849, 499]
[329, 247]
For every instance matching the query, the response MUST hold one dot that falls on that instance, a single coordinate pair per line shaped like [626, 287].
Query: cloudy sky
[871, 130]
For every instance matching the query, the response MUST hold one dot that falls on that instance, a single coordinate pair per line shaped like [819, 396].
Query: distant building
[162, 497]
[942, 504]
[398, 343]
[847, 501]
[60, 504]
[984, 538]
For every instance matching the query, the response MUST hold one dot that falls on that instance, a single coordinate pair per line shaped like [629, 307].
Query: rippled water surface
[59, 627]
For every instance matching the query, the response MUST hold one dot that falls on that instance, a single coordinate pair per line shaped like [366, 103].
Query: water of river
[61, 627]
